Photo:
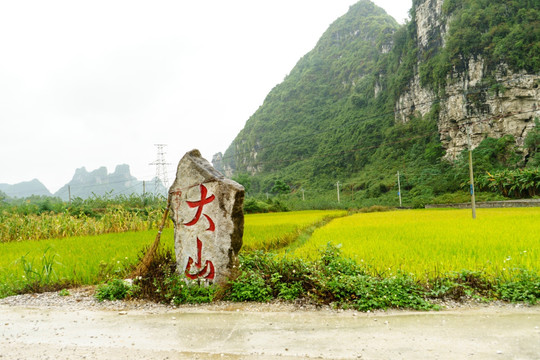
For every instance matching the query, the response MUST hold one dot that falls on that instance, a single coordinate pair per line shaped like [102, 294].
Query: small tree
[280, 187]
[243, 179]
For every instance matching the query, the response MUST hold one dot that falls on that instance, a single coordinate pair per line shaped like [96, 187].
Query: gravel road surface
[49, 326]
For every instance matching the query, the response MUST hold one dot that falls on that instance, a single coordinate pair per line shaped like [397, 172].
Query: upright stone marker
[207, 211]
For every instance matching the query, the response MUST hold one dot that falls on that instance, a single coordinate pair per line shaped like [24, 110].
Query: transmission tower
[161, 168]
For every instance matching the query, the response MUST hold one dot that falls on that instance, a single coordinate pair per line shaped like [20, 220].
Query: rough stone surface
[467, 100]
[207, 211]
[491, 114]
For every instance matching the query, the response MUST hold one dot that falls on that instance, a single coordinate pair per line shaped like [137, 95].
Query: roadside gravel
[83, 299]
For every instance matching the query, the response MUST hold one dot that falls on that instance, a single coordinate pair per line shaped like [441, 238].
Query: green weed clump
[332, 279]
[36, 274]
[460, 285]
[117, 289]
[523, 288]
[163, 284]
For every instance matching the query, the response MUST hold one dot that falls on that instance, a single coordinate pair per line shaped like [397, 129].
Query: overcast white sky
[98, 83]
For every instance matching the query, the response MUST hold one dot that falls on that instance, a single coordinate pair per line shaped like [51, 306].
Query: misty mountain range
[85, 184]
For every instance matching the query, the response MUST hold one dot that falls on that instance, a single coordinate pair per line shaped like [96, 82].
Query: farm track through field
[297, 238]
[274, 231]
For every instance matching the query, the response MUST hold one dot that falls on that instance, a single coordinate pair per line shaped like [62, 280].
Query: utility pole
[303, 197]
[69, 193]
[161, 168]
[399, 189]
[337, 184]
[473, 202]
[143, 187]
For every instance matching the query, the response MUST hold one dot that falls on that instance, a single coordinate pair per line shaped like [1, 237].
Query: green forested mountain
[340, 114]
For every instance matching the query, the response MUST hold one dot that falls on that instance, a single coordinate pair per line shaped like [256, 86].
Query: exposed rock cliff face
[490, 114]
[466, 100]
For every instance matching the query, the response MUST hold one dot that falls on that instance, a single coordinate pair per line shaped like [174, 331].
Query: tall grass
[431, 243]
[113, 219]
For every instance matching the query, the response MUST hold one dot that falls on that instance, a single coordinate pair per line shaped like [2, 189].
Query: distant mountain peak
[25, 189]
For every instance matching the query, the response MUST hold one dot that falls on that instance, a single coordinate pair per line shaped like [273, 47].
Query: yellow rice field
[429, 243]
[272, 230]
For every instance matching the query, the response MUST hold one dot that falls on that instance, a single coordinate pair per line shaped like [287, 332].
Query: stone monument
[207, 211]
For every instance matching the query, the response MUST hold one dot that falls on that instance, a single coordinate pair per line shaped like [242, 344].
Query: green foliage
[117, 289]
[331, 279]
[6, 290]
[343, 282]
[499, 32]
[519, 183]
[495, 153]
[460, 285]
[163, 284]
[326, 90]
[29, 221]
[94, 206]
[525, 288]
[177, 291]
[493, 160]
[465, 196]
[44, 275]
[286, 291]
[280, 187]
[532, 144]
[243, 179]
[334, 279]
[250, 286]
[265, 276]
[253, 206]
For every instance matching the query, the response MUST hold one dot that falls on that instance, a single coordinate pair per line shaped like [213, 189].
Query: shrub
[526, 288]
[250, 286]
[117, 289]
[519, 183]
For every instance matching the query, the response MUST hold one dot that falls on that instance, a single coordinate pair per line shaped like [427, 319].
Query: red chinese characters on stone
[206, 272]
[199, 205]
[194, 268]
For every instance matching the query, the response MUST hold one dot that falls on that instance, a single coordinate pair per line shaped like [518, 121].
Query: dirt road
[238, 332]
